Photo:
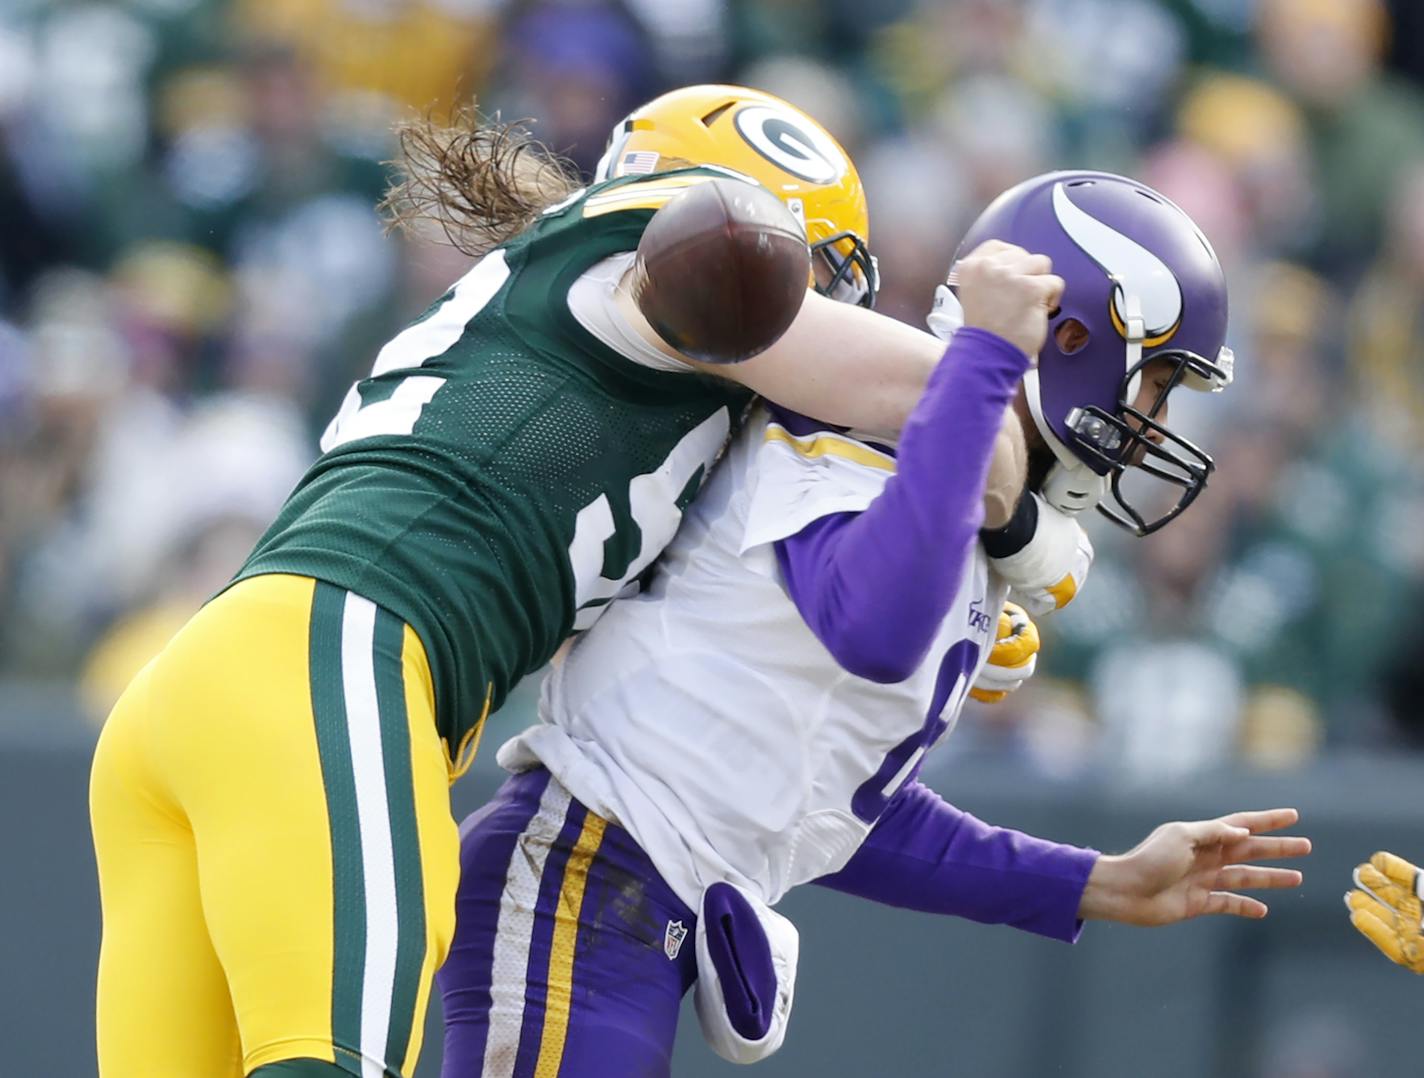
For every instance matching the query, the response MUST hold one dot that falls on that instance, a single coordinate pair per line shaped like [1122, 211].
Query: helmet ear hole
[711, 117]
[1071, 336]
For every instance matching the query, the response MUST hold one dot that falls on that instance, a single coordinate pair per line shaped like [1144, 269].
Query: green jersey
[503, 474]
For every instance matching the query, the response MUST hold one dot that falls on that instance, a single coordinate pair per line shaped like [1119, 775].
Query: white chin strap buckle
[1073, 488]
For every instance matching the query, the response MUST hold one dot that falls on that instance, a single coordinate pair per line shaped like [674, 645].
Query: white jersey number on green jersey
[410, 349]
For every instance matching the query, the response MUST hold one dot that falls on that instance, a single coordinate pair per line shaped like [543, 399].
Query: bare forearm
[853, 368]
[1008, 472]
[850, 367]
[843, 365]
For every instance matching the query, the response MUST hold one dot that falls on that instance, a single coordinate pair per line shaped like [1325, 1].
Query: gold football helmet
[774, 143]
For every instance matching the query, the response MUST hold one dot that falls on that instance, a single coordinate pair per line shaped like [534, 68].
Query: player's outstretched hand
[1185, 870]
[1385, 907]
[1008, 291]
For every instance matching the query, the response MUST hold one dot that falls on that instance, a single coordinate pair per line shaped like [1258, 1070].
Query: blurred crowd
[192, 270]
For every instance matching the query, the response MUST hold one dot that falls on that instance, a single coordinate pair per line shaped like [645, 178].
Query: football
[722, 270]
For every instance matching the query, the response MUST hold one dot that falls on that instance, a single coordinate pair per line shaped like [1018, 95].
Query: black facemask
[842, 267]
[1118, 442]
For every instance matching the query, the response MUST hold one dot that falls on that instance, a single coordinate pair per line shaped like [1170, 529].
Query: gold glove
[1385, 907]
[1014, 656]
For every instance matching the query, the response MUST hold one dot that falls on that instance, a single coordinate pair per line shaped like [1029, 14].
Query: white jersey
[706, 718]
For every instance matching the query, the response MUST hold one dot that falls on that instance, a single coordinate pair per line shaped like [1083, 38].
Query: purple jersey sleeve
[874, 586]
[925, 854]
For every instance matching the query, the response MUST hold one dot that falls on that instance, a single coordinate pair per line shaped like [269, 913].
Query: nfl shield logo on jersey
[673, 937]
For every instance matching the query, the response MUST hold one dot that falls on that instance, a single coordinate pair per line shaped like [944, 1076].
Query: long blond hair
[482, 181]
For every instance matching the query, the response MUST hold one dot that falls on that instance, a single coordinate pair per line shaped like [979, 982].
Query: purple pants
[571, 954]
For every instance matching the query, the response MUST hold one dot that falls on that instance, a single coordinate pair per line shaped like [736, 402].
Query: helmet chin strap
[600, 170]
[1136, 333]
[1070, 485]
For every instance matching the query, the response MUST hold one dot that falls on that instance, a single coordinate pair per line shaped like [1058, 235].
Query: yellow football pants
[277, 860]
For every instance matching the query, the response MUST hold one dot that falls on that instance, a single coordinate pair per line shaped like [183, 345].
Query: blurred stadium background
[192, 271]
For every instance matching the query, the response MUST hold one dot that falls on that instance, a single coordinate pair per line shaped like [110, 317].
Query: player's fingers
[1271, 848]
[1016, 617]
[1224, 902]
[1378, 933]
[1399, 870]
[991, 249]
[1030, 265]
[989, 696]
[1050, 289]
[1017, 650]
[1256, 878]
[1005, 666]
[1257, 821]
[1026, 630]
[1364, 902]
[1370, 880]
[1213, 832]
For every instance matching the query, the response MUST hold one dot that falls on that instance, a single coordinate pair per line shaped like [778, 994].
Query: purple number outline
[955, 669]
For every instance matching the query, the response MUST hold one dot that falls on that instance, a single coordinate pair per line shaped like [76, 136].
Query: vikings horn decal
[790, 144]
[1132, 266]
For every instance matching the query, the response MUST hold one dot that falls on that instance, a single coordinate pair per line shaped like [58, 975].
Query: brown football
[722, 270]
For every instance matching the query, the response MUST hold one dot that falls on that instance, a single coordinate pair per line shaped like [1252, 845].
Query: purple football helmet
[1144, 284]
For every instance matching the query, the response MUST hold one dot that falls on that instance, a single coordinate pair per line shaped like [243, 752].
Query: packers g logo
[790, 143]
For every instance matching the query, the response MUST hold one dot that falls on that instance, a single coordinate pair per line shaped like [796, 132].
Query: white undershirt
[593, 301]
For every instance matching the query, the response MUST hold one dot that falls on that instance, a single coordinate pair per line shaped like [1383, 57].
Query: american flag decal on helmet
[673, 937]
[637, 162]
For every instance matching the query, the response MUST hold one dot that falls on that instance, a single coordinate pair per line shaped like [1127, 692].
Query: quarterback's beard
[1040, 461]
[1040, 456]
